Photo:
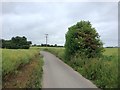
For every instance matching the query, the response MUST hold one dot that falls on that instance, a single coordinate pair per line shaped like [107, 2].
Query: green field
[13, 59]
[111, 51]
[101, 71]
[108, 51]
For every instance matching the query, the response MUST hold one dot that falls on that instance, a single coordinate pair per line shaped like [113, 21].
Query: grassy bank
[15, 59]
[103, 71]
[36, 75]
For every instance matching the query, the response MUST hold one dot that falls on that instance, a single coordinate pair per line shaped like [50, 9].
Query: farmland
[17, 63]
[13, 61]
[101, 71]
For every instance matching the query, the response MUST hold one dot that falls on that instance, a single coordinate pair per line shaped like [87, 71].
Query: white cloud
[35, 19]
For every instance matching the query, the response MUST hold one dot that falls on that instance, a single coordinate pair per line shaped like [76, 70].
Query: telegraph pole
[46, 36]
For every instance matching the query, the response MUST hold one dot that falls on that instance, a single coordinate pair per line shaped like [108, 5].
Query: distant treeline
[48, 45]
[112, 47]
[16, 43]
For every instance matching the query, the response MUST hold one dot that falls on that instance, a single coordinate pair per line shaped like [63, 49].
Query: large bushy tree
[82, 39]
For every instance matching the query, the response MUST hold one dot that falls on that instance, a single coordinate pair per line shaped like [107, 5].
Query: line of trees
[48, 45]
[16, 43]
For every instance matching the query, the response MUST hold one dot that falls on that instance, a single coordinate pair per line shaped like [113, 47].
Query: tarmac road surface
[57, 74]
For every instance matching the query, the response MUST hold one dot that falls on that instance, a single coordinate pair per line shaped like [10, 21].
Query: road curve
[56, 74]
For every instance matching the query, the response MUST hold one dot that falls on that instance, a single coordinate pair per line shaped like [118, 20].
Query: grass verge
[22, 68]
[36, 77]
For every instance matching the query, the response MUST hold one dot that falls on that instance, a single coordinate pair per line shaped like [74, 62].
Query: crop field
[111, 51]
[11, 59]
[103, 71]
[108, 51]
[15, 59]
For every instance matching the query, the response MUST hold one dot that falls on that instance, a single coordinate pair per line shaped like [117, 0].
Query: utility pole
[46, 36]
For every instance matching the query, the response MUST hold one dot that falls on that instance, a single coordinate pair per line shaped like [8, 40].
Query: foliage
[16, 43]
[102, 71]
[82, 39]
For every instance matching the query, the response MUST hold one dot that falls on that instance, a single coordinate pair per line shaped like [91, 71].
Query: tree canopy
[16, 43]
[83, 39]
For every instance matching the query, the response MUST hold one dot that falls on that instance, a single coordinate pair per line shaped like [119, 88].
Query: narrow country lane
[59, 75]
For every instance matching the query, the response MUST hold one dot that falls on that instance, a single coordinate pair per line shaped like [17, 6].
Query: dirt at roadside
[22, 77]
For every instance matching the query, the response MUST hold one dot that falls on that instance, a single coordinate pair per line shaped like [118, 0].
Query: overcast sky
[35, 19]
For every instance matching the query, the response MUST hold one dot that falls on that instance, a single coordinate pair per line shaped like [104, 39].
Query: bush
[83, 40]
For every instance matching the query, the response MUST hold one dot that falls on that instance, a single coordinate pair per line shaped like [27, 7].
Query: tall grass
[36, 77]
[13, 58]
[102, 71]
[59, 52]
